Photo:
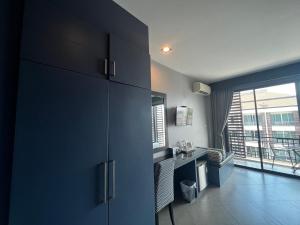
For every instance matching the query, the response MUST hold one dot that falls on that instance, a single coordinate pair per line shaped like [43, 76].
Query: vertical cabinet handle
[112, 164]
[105, 66]
[102, 198]
[112, 69]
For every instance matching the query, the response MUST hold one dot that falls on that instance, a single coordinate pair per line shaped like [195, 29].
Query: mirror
[159, 125]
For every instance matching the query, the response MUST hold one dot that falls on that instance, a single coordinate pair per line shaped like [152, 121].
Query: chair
[220, 166]
[293, 154]
[295, 158]
[164, 187]
[275, 151]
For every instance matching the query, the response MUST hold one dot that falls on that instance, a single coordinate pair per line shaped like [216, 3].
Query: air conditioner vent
[201, 88]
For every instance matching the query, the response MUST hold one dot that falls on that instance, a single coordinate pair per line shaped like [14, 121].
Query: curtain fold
[221, 100]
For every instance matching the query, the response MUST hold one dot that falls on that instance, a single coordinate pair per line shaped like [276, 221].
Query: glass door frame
[258, 131]
[262, 169]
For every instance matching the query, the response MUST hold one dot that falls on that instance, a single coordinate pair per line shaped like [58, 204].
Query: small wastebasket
[188, 189]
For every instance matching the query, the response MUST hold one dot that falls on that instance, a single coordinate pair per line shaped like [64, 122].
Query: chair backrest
[164, 183]
[271, 142]
[296, 154]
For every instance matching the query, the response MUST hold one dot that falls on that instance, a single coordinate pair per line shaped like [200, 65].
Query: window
[282, 118]
[250, 120]
[158, 125]
[288, 118]
[263, 124]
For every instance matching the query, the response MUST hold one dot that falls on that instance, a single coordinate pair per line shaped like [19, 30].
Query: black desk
[183, 159]
[186, 167]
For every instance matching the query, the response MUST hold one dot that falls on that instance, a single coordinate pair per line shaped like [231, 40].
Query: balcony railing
[275, 150]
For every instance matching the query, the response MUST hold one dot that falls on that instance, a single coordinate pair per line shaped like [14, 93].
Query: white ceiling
[218, 39]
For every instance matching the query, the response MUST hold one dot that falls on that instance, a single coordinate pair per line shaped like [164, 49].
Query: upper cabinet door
[130, 151]
[55, 36]
[60, 146]
[125, 25]
[129, 64]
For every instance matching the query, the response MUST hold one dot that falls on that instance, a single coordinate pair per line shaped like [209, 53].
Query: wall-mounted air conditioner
[201, 88]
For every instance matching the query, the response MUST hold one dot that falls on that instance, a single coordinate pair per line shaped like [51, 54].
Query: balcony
[279, 154]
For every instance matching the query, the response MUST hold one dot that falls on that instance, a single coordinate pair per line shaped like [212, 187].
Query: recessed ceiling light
[166, 49]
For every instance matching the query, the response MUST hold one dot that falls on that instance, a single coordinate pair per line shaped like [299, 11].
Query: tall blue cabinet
[83, 150]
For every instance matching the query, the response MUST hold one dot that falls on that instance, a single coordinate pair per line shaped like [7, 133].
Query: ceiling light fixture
[166, 49]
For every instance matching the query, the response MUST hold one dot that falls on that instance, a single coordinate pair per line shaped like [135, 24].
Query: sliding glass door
[243, 130]
[277, 105]
[269, 131]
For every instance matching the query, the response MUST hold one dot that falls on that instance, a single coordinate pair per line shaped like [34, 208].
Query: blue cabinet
[54, 36]
[131, 64]
[60, 146]
[87, 38]
[130, 151]
[83, 151]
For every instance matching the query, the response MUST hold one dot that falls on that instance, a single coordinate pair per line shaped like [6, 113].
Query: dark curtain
[221, 100]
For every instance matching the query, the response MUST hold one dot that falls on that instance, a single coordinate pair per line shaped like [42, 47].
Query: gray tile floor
[247, 198]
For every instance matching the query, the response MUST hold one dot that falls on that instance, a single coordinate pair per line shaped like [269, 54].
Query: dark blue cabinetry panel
[132, 64]
[67, 121]
[10, 23]
[109, 16]
[130, 146]
[61, 36]
[58, 37]
[61, 139]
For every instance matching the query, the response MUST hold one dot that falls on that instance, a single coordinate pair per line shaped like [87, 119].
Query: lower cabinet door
[60, 144]
[131, 188]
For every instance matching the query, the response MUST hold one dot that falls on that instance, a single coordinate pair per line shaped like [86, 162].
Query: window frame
[164, 96]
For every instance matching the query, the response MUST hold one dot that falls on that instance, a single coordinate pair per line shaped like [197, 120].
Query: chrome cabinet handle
[113, 69]
[105, 66]
[113, 163]
[102, 198]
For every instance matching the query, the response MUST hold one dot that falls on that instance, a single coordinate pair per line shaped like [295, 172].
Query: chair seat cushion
[222, 151]
[228, 158]
[214, 156]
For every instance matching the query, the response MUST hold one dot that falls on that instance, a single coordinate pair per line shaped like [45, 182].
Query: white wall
[178, 88]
